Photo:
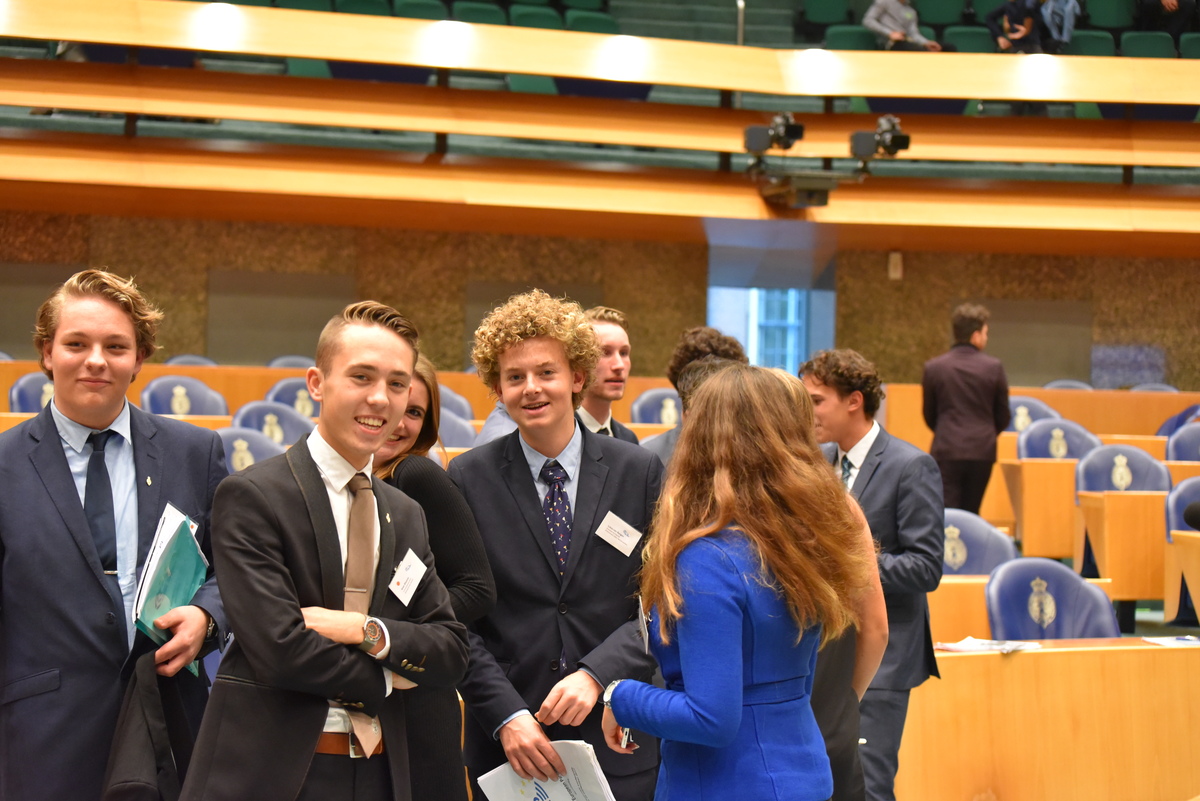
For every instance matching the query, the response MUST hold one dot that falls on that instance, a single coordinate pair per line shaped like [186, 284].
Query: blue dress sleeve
[709, 638]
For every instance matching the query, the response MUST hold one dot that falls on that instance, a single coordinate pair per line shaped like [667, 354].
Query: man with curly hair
[562, 512]
[694, 344]
[900, 492]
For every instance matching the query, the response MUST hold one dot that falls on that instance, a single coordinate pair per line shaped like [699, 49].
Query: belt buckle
[356, 751]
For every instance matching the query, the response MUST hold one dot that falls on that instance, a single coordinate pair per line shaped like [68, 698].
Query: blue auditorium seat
[1051, 438]
[29, 393]
[279, 422]
[452, 401]
[292, 360]
[179, 394]
[1039, 599]
[974, 547]
[1184, 444]
[454, 431]
[1119, 468]
[651, 405]
[1067, 383]
[245, 446]
[190, 360]
[1025, 410]
[294, 393]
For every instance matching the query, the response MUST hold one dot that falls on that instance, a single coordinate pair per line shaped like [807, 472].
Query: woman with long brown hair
[757, 556]
[432, 715]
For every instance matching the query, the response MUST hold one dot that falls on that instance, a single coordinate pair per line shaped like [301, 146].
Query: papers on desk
[175, 568]
[972, 645]
[584, 780]
[1175, 642]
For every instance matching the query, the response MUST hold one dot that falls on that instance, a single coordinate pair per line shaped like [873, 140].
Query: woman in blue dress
[757, 556]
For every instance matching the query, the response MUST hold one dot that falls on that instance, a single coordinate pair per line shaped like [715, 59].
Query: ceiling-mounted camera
[886, 140]
[783, 132]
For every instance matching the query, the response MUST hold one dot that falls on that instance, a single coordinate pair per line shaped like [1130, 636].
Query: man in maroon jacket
[966, 406]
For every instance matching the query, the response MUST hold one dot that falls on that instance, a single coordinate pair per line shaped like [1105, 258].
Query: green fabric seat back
[378, 8]
[1091, 43]
[826, 12]
[308, 67]
[591, 21]
[1189, 45]
[421, 9]
[532, 84]
[485, 13]
[527, 16]
[970, 39]
[306, 5]
[849, 37]
[585, 5]
[1110, 13]
[939, 12]
[1147, 44]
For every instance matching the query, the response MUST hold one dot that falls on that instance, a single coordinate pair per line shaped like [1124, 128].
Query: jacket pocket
[27, 686]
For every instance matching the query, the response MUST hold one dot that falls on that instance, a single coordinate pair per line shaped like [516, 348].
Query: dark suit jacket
[63, 640]
[900, 491]
[622, 432]
[965, 403]
[276, 544]
[589, 613]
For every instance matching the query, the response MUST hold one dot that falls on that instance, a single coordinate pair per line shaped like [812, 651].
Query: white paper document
[584, 780]
[168, 524]
[970, 644]
[1188, 641]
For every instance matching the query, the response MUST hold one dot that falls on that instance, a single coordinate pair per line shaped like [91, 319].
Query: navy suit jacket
[589, 614]
[900, 491]
[623, 432]
[63, 641]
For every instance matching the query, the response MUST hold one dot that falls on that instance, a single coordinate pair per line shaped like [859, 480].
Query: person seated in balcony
[895, 25]
[1058, 23]
[1173, 16]
[1013, 26]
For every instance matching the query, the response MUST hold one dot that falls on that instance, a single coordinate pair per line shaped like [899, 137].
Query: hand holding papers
[583, 780]
[175, 568]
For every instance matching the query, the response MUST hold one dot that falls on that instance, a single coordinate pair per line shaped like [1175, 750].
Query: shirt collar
[593, 424]
[858, 453]
[76, 435]
[336, 470]
[569, 459]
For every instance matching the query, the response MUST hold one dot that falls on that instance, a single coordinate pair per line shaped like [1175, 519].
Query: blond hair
[365, 312]
[747, 459]
[536, 314]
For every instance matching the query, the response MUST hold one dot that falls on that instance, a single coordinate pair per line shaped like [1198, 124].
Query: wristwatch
[372, 634]
[608, 692]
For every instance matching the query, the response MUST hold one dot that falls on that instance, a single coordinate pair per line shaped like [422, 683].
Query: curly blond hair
[536, 314]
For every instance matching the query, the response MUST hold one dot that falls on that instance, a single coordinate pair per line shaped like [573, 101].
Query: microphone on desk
[1191, 515]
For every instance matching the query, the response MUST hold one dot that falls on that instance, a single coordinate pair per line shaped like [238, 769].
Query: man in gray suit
[900, 491]
[82, 486]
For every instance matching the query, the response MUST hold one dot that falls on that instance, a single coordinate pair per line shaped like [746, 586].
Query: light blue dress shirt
[118, 458]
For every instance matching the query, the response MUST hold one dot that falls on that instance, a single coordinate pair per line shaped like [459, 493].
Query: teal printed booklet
[175, 568]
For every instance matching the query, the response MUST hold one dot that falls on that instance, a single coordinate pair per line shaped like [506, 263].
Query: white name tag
[619, 534]
[408, 576]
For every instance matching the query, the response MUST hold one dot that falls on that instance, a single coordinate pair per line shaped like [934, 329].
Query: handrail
[219, 27]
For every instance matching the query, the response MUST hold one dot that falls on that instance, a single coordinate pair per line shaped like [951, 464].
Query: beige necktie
[360, 576]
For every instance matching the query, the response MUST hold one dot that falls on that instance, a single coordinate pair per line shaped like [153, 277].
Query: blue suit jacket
[900, 491]
[588, 614]
[63, 641]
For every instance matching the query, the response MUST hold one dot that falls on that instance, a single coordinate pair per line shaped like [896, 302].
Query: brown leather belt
[340, 744]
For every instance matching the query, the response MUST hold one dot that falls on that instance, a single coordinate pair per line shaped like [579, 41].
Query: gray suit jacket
[63, 640]
[900, 491]
[663, 445]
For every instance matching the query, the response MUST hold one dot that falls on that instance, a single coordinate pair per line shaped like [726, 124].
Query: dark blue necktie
[557, 509]
[847, 466]
[98, 503]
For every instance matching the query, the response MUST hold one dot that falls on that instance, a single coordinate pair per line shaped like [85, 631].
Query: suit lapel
[387, 549]
[520, 483]
[870, 464]
[316, 500]
[147, 479]
[593, 473]
[51, 465]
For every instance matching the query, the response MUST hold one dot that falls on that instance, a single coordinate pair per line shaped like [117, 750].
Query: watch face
[373, 631]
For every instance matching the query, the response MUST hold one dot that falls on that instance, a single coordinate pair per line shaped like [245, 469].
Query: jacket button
[554, 665]
[110, 618]
[562, 609]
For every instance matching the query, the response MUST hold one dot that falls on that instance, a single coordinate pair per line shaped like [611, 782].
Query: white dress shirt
[858, 454]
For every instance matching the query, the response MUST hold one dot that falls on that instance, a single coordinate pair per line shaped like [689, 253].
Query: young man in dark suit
[331, 592]
[966, 406]
[611, 374]
[900, 492]
[82, 487]
[562, 513]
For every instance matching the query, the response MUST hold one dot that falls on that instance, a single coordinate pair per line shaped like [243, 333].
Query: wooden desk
[1181, 562]
[1155, 446]
[958, 607]
[1182, 470]
[1127, 531]
[1079, 719]
[1043, 501]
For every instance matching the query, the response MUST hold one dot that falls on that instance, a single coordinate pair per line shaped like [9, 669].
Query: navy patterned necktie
[846, 467]
[98, 503]
[557, 509]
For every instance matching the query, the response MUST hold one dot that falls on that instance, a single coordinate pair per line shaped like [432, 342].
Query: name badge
[408, 576]
[619, 534]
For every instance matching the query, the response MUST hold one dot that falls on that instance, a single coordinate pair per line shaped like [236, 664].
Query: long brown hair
[747, 459]
[426, 373]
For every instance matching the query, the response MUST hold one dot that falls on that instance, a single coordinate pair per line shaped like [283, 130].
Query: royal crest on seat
[47, 392]
[180, 402]
[668, 415]
[303, 403]
[1041, 604]
[271, 428]
[1122, 476]
[242, 457]
[956, 549]
[1021, 419]
[1058, 444]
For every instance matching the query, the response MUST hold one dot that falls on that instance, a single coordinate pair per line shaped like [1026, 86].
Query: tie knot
[553, 473]
[99, 439]
[357, 483]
